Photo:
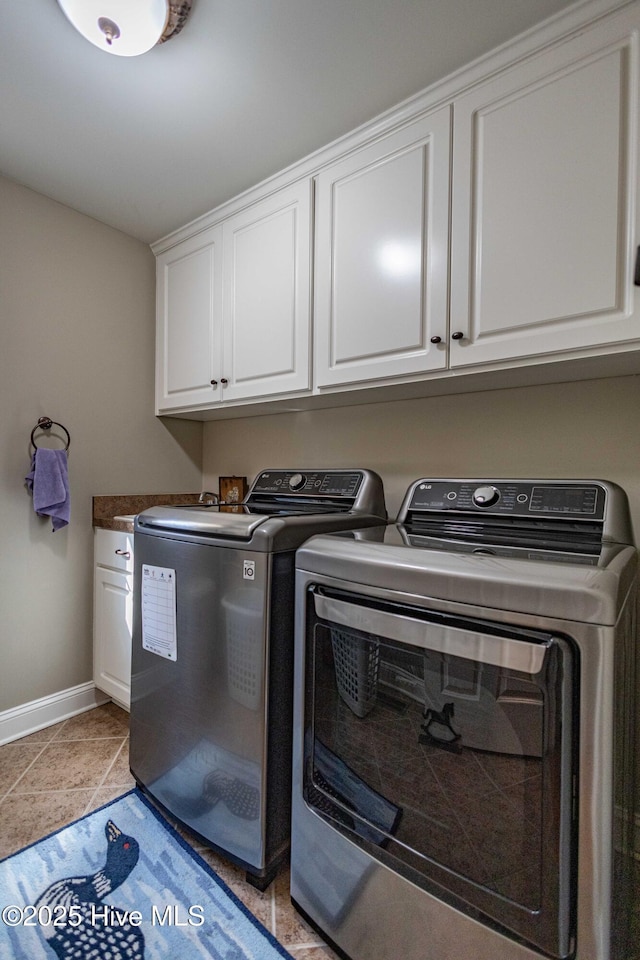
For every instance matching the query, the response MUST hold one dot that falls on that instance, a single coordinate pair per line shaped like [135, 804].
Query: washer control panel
[315, 483]
[539, 498]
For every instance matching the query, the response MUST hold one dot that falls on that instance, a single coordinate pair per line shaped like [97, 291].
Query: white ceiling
[249, 86]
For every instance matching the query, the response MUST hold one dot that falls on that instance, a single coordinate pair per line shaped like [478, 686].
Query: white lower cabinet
[112, 613]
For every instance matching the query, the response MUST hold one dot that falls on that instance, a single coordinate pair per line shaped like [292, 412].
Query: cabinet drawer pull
[123, 553]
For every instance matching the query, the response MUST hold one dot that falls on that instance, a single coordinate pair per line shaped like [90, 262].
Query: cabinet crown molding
[557, 28]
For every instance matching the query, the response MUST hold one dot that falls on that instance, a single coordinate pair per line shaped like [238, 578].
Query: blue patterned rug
[121, 884]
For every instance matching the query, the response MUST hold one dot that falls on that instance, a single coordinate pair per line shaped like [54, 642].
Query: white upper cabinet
[267, 308]
[233, 307]
[382, 256]
[189, 327]
[543, 224]
[488, 225]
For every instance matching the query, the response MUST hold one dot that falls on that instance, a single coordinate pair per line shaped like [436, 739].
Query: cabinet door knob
[224, 381]
[436, 339]
[214, 384]
[123, 553]
[458, 335]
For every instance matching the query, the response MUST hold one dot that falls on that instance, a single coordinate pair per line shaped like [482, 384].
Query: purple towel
[49, 483]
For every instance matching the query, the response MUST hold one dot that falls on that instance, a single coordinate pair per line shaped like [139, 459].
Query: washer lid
[282, 509]
[235, 522]
[237, 526]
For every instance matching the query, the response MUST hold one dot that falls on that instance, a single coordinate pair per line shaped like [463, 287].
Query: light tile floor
[61, 773]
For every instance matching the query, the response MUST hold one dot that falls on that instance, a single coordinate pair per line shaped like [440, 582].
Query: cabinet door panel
[113, 611]
[267, 300]
[189, 323]
[542, 205]
[377, 246]
[381, 260]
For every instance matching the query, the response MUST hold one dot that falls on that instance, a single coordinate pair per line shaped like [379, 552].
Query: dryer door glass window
[444, 747]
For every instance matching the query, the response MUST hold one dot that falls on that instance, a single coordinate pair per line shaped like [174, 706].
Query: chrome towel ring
[45, 423]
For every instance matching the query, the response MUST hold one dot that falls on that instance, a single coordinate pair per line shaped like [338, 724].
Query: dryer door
[444, 747]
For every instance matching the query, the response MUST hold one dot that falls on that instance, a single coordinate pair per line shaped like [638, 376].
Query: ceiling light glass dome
[126, 28]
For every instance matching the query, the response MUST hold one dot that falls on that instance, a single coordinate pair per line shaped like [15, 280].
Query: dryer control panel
[519, 498]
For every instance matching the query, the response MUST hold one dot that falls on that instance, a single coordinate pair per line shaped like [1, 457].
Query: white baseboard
[38, 714]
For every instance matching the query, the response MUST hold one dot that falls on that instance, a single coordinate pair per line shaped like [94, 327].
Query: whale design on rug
[95, 929]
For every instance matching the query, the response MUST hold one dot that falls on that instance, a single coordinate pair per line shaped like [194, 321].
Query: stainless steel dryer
[212, 662]
[464, 739]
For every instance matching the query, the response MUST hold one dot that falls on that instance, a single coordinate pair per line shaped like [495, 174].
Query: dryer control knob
[297, 481]
[485, 496]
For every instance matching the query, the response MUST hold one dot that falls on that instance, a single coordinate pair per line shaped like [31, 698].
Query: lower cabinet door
[112, 618]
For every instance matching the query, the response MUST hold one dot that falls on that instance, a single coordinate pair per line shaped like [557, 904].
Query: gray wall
[77, 328]
[77, 345]
[587, 429]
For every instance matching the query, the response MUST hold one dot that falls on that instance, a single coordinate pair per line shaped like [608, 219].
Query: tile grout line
[307, 944]
[44, 793]
[105, 775]
[297, 947]
[24, 772]
[115, 736]
[49, 743]
[45, 744]
[273, 909]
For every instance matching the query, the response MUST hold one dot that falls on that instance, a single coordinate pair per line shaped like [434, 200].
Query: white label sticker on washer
[248, 569]
[159, 611]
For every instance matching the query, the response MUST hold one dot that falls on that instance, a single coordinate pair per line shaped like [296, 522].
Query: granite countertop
[117, 512]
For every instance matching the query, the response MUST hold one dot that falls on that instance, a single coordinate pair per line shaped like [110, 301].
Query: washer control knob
[297, 481]
[485, 496]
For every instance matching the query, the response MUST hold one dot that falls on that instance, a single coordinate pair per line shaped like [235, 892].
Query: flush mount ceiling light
[127, 27]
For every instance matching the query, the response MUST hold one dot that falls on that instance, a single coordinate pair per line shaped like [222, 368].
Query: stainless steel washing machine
[212, 661]
[464, 740]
